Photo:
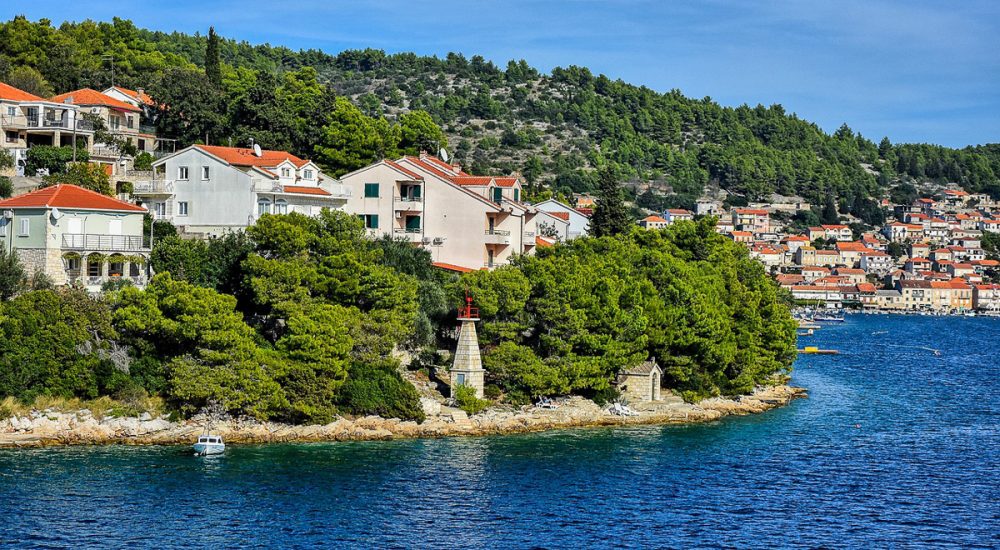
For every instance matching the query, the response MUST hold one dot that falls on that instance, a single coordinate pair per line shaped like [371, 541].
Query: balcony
[497, 236]
[153, 187]
[409, 204]
[37, 122]
[528, 237]
[95, 242]
[412, 234]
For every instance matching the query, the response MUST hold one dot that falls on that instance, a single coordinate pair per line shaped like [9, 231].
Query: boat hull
[205, 449]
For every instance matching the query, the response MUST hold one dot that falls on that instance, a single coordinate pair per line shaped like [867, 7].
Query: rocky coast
[49, 427]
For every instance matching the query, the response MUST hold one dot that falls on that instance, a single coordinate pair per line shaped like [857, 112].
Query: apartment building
[208, 190]
[577, 218]
[753, 220]
[466, 222]
[121, 118]
[27, 120]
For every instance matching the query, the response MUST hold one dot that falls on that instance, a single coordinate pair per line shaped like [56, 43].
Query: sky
[912, 70]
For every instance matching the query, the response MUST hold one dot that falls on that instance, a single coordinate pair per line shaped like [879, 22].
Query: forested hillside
[551, 128]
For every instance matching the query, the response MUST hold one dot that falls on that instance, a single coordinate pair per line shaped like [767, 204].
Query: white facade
[578, 223]
[465, 222]
[211, 190]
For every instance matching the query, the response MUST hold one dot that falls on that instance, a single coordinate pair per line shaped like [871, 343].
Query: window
[130, 122]
[73, 264]
[93, 267]
[133, 269]
[11, 111]
[3, 227]
[11, 137]
[142, 145]
[182, 209]
[263, 207]
[182, 172]
[286, 172]
[159, 209]
[517, 195]
[497, 194]
[205, 173]
[371, 190]
[371, 220]
[307, 174]
[280, 206]
[25, 227]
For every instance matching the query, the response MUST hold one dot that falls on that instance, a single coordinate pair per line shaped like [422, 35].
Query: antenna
[256, 150]
[112, 59]
[443, 153]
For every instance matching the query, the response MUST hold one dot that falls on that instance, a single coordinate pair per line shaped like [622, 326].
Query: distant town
[928, 257]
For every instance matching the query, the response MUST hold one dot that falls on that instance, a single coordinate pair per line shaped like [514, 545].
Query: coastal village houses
[209, 190]
[27, 120]
[466, 222]
[75, 236]
[577, 219]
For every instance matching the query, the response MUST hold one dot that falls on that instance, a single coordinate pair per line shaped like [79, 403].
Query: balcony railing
[90, 241]
[501, 232]
[408, 230]
[529, 236]
[150, 187]
[411, 199]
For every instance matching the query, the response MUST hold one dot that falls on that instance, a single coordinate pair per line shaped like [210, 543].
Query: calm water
[896, 447]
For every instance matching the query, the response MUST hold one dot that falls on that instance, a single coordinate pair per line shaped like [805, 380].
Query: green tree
[12, 274]
[213, 67]
[53, 159]
[86, 175]
[610, 215]
[351, 140]
[30, 80]
[418, 132]
[187, 106]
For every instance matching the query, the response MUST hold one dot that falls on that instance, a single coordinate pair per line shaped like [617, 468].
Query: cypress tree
[213, 70]
[610, 214]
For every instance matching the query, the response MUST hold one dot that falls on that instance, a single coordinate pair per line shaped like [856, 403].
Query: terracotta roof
[796, 238]
[652, 219]
[851, 247]
[239, 156]
[141, 97]
[508, 181]
[752, 211]
[303, 190]
[680, 212]
[88, 96]
[480, 181]
[66, 195]
[404, 170]
[586, 211]
[11, 93]
[543, 242]
[565, 215]
[866, 287]
[834, 226]
[452, 267]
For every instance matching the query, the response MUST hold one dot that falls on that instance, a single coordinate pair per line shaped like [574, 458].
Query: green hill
[552, 128]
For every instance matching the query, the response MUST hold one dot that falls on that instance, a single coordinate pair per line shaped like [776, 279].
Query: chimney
[457, 167]
[140, 91]
[423, 154]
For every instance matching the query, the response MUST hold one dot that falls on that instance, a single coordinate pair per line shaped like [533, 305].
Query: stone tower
[468, 367]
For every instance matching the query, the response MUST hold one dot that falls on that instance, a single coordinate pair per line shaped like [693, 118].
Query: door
[655, 386]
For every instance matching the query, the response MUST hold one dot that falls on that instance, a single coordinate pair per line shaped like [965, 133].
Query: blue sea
[897, 446]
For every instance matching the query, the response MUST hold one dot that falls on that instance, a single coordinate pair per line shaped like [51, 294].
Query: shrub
[378, 389]
[6, 187]
[465, 399]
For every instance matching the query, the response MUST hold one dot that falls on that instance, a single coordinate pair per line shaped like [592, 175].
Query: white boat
[828, 319]
[209, 445]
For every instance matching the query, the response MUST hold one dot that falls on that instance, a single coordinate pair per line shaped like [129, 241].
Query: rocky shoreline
[49, 428]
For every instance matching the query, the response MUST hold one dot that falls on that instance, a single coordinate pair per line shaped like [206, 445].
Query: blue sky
[916, 71]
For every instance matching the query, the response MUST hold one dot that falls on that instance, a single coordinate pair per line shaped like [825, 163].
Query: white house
[209, 190]
[27, 120]
[466, 222]
[579, 223]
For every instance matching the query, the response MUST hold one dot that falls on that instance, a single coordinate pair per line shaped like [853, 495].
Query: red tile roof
[239, 156]
[88, 96]
[543, 242]
[404, 170]
[303, 190]
[66, 195]
[481, 181]
[11, 93]
[565, 215]
[141, 97]
[752, 211]
[652, 219]
[452, 267]
[586, 211]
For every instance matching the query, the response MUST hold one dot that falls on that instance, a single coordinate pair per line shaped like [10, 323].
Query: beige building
[27, 120]
[466, 222]
[75, 236]
[642, 383]
[121, 118]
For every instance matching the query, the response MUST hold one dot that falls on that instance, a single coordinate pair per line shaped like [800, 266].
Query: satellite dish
[443, 154]
[256, 150]
[56, 214]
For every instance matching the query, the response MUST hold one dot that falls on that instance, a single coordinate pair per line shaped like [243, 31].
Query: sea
[897, 446]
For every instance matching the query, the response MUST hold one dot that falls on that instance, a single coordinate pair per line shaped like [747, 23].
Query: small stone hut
[641, 383]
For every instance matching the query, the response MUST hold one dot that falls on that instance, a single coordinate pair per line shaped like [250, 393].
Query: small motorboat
[828, 319]
[209, 444]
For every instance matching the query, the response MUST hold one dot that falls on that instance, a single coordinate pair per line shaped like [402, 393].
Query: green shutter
[374, 220]
[413, 222]
[416, 191]
[497, 194]
[517, 195]
[371, 190]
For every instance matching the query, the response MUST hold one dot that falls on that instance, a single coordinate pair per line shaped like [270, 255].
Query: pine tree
[212, 68]
[610, 214]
